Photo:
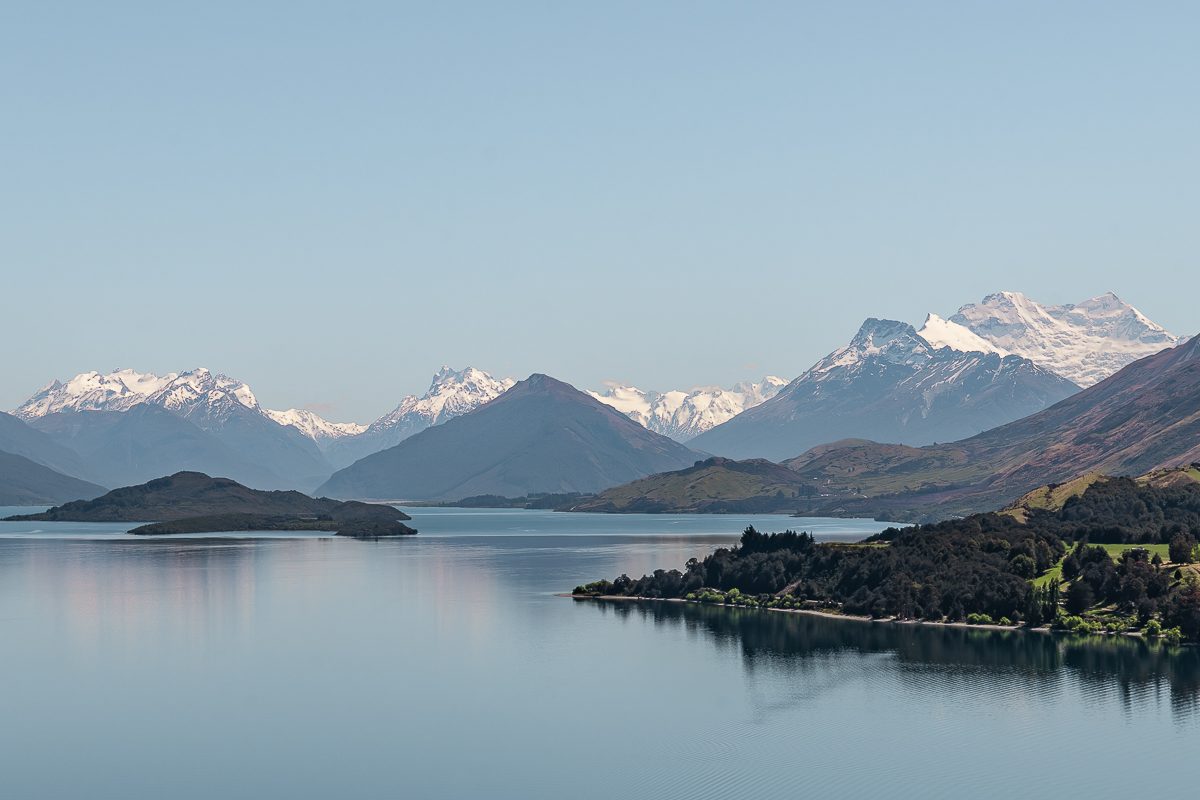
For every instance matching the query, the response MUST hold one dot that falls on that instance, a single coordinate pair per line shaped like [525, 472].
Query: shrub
[1075, 624]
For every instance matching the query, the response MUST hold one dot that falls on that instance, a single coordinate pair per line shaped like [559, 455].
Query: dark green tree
[1181, 548]
[1080, 597]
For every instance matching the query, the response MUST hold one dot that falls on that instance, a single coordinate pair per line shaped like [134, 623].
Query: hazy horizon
[329, 204]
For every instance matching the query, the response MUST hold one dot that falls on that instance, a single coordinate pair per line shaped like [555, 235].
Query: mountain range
[989, 364]
[540, 436]
[129, 427]
[126, 427]
[1144, 418]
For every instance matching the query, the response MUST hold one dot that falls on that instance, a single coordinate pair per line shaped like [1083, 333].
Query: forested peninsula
[1116, 558]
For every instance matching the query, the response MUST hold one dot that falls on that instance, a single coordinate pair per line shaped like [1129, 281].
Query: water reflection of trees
[1131, 667]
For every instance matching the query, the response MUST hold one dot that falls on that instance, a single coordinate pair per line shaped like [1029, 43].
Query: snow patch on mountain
[314, 426]
[683, 415]
[1084, 342]
[941, 332]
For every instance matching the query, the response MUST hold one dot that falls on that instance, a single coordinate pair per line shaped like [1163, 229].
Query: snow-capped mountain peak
[882, 340]
[94, 391]
[452, 393]
[1084, 342]
[122, 389]
[683, 415]
[197, 388]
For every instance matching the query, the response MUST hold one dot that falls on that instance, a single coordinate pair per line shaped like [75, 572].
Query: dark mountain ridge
[20, 438]
[27, 483]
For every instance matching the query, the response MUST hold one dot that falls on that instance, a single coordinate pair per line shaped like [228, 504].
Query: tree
[1181, 547]
[1024, 566]
[1080, 597]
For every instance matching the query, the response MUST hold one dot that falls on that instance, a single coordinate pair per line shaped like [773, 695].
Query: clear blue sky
[329, 200]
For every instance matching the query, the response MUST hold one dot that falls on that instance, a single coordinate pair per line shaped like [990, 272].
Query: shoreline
[1044, 629]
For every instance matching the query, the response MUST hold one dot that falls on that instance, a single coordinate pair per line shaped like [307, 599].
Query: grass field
[1114, 550]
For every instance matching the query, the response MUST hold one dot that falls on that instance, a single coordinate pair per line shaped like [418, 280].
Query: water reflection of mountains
[1132, 666]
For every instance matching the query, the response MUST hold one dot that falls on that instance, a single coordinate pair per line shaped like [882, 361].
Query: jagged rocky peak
[201, 388]
[883, 340]
[452, 393]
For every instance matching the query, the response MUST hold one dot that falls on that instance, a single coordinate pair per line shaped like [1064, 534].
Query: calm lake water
[444, 666]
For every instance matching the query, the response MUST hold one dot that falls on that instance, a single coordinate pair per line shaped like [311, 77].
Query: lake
[445, 666]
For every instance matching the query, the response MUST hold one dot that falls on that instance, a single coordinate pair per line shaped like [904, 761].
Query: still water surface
[444, 666]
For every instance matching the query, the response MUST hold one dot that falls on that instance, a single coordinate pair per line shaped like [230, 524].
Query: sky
[331, 200]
